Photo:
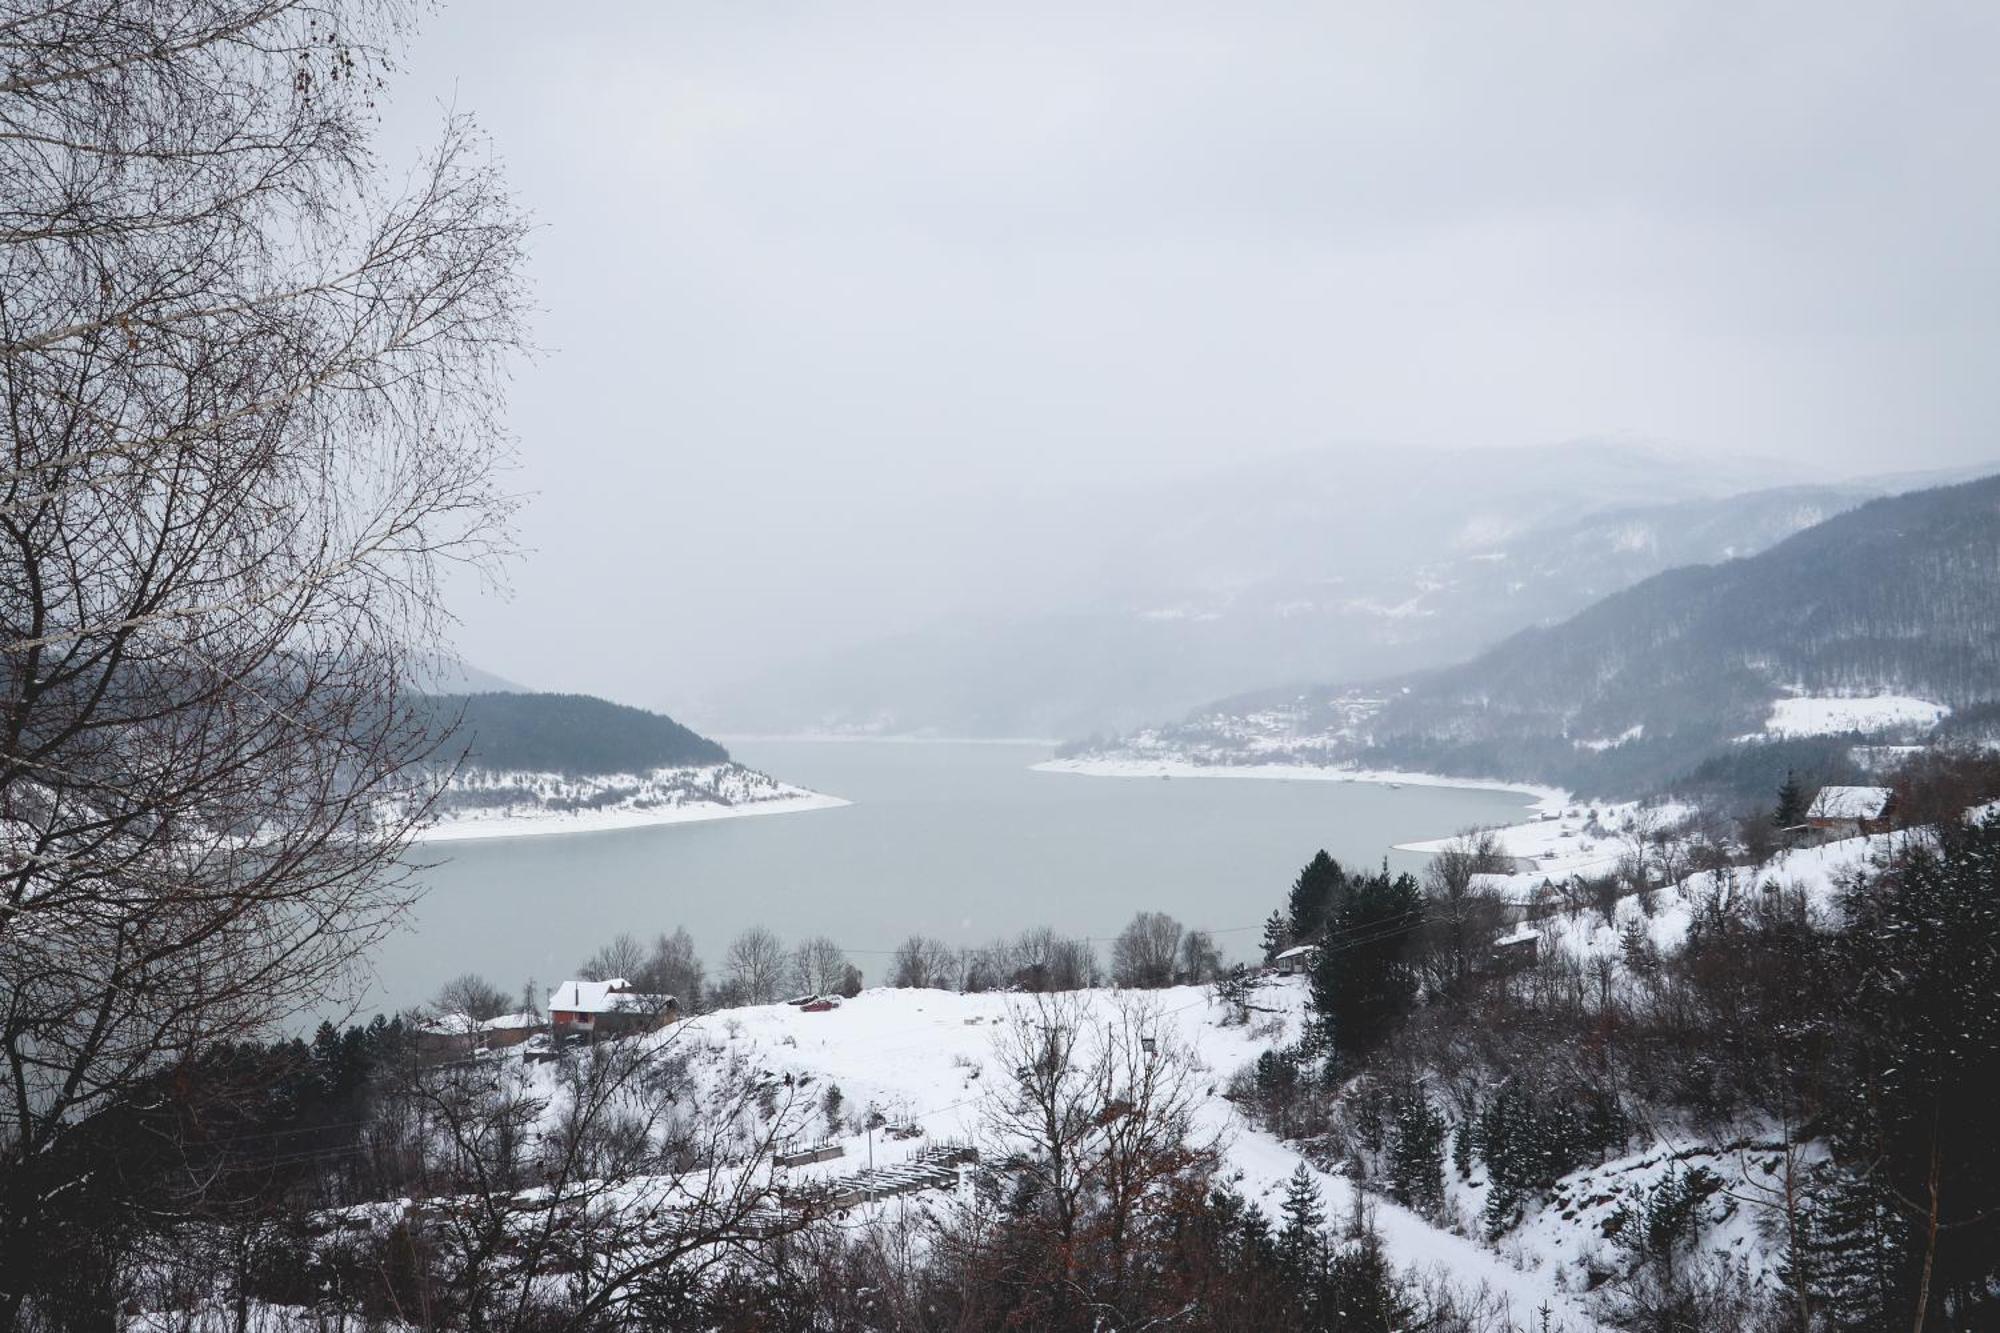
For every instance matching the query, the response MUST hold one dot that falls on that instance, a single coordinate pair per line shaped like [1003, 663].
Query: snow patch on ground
[1820, 715]
[1603, 743]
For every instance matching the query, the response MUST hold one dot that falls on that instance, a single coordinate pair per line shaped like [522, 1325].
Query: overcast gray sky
[835, 296]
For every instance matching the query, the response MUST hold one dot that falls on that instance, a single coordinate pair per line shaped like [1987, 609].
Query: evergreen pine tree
[1300, 1239]
[1277, 936]
[1362, 1291]
[1791, 811]
[1499, 1126]
[1317, 895]
[1854, 1255]
[1260, 1243]
[1462, 1147]
[1923, 942]
[1416, 1152]
[1362, 982]
[1636, 944]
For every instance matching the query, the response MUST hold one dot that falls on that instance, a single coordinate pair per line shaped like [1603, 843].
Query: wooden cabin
[611, 1008]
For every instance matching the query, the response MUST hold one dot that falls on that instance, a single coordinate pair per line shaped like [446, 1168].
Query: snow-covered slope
[926, 1061]
[1835, 715]
[483, 803]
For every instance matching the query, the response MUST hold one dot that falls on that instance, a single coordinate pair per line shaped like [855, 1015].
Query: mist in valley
[914, 371]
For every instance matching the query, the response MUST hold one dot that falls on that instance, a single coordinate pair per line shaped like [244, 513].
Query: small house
[613, 1008]
[458, 1034]
[1517, 949]
[1849, 812]
[1297, 959]
[1521, 895]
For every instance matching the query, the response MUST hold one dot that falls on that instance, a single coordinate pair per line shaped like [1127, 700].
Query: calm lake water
[960, 841]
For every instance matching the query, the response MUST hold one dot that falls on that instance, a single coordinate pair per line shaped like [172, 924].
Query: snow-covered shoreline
[879, 738]
[1541, 799]
[515, 824]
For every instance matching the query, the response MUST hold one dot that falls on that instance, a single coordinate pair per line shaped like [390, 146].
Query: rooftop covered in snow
[615, 996]
[1850, 803]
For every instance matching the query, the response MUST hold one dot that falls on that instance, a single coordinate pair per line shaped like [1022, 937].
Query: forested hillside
[1897, 599]
[1900, 596]
[571, 734]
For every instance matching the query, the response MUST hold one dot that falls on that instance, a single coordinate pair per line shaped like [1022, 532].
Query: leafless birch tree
[248, 400]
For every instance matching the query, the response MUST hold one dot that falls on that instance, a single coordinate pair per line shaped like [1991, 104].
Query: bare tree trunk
[1930, 1235]
[248, 409]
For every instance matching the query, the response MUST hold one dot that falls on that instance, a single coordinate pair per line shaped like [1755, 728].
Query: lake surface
[960, 841]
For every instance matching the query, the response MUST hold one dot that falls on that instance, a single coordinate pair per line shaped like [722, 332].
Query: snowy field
[1810, 715]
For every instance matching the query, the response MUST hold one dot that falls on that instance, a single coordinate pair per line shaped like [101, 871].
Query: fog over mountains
[1896, 600]
[1141, 604]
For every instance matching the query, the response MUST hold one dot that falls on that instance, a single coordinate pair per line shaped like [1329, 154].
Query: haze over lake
[960, 841]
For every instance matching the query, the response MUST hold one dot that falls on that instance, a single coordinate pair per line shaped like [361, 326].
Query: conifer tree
[1260, 1246]
[1416, 1152]
[1462, 1147]
[1852, 1254]
[1791, 811]
[1300, 1239]
[1362, 1291]
[1317, 895]
[1923, 940]
[1277, 936]
[1363, 982]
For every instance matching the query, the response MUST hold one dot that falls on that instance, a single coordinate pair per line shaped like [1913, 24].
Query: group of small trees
[477, 998]
[758, 969]
[1153, 950]
[669, 966]
[1038, 960]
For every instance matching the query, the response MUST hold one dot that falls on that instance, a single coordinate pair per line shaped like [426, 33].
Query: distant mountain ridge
[1316, 568]
[1900, 595]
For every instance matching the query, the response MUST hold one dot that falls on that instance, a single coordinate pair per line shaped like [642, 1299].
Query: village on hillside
[854, 1100]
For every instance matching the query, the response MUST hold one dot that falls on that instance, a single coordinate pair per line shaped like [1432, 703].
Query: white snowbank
[524, 823]
[1815, 715]
[1543, 798]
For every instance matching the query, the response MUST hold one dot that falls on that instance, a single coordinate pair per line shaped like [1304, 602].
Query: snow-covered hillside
[925, 1067]
[483, 803]
[1832, 715]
